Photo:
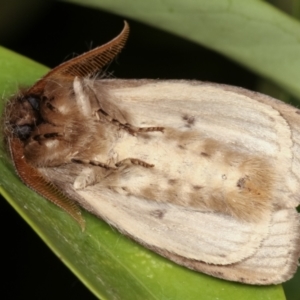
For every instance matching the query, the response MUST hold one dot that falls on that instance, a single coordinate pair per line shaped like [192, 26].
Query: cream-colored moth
[204, 174]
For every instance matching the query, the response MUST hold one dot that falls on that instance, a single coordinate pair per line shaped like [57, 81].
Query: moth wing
[249, 120]
[212, 243]
[208, 242]
[206, 236]
[274, 262]
[291, 115]
[209, 237]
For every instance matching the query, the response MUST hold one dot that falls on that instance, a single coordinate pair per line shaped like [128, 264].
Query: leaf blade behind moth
[267, 44]
[150, 276]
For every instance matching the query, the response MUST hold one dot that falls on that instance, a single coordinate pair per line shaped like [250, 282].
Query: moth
[206, 175]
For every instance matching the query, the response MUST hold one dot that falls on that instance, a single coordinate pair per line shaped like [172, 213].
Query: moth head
[26, 111]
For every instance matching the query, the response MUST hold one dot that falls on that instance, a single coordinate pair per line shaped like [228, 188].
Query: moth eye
[34, 102]
[23, 132]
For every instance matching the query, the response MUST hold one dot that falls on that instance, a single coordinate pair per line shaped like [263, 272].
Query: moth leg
[133, 161]
[128, 127]
[135, 130]
[125, 162]
[89, 175]
[93, 163]
[115, 116]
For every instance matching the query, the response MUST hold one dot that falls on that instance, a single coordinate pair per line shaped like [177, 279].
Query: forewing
[259, 251]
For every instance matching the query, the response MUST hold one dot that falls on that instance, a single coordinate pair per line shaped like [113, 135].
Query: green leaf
[109, 264]
[252, 33]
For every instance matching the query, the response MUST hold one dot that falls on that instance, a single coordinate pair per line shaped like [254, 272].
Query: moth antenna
[87, 63]
[33, 179]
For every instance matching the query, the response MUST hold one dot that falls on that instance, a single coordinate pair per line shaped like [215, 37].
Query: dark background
[57, 33]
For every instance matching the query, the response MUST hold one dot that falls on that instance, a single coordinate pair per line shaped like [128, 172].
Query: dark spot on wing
[205, 154]
[159, 214]
[197, 187]
[189, 120]
[172, 181]
[241, 183]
